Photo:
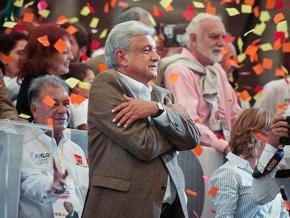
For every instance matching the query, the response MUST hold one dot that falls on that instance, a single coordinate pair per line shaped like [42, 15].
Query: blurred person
[11, 50]
[234, 178]
[80, 42]
[200, 84]
[230, 55]
[134, 133]
[273, 169]
[40, 60]
[133, 13]
[70, 209]
[276, 92]
[54, 169]
[7, 110]
[86, 76]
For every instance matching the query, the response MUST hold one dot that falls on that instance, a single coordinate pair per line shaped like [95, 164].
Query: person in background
[234, 178]
[43, 58]
[199, 82]
[12, 47]
[70, 209]
[7, 111]
[80, 42]
[134, 133]
[54, 169]
[86, 76]
[276, 92]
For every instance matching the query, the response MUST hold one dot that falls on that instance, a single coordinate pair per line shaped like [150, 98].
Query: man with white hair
[199, 82]
[134, 133]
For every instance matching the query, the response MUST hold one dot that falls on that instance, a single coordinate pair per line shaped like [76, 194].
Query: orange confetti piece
[279, 72]
[251, 50]
[60, 46]
[267, 63]
[173, 77]
[49, 121]
[286, 204]
[62, 20]
[197, 150]
[270, 4]
[103, 67]
[5, 58]
[106, 7]
[190, 192]
[48, 101]
[71, 29]
[286, 47]
[249, 2]
[113, 3]
[210, 9]
[277, 44]
[256, 11]
[278, 17]
[281, 107]
[28, 17]
[244, 95]
[43, 40]
[155, 11]
[213, 191]
[196, 119]
[76, 99]
[262, 137]
[169, 8]
[258, 69]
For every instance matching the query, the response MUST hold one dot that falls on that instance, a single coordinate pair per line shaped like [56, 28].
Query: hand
[133, 109]
[176, 107]
[58, 183]
[279, 128]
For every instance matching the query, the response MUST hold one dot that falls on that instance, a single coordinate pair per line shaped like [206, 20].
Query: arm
[142, 139]
[187, 93]
[225, 201]
[7, 111]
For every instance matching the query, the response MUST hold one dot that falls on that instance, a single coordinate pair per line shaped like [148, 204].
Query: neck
[252, 161]
[56, 135]
[131, 76]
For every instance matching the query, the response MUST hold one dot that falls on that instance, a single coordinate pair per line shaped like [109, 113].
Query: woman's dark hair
[37, 56]
[8, 42]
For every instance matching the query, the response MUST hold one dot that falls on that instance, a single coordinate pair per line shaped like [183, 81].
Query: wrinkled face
[60, 61]
[90, 77]
[210, 40]
[142, 59]
[12, 68]
[59, 112]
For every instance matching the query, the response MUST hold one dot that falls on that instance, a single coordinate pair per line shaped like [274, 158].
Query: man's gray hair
[193, 26]
[134, 13]
[41, 82]
[120, 38]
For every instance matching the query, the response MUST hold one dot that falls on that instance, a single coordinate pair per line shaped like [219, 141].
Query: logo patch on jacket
[79, 160]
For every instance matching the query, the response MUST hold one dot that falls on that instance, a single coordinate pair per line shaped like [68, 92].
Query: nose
[61, 109]
[221, 41]
[155, 57]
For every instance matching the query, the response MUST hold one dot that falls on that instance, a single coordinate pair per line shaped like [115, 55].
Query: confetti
[60, 46]
[198, 4]
[213, 191]
[104, 33]
[28, 17]
[279, 72]
[6, 59]
[72, 82]
[245, 96]
[270, 4]
[76, 99]
[94, 22]
[246, 9]
[173, 77]
[42, 5]
[9, 24]
[24, 116]
[43, 40]
[259, 29]
[123, 4]
[265, 16]
[281, 107]
[258, 69]
[261, 136]
[18, 3]
[190, 192]
[205, 179]
[62, 20]
[85, 11]
[113, 3]
[278, 18]
[71, 29]
[102, 67]
[267, 63]
[266, 47]
[210, 9]
[197, 150]
[84, 85]
[48, 101]
[232, 11]
[165, 3]
[44, 13]
[286, 47]
[49, 121]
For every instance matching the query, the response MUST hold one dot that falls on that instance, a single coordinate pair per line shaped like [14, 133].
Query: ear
[34, 109]
[192, 38]
[121, 58]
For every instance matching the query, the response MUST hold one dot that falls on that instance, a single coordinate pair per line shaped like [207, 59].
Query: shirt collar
[239, 162]
[137, 87]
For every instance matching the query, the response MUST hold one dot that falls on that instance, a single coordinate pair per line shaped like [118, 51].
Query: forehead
[212, 26]
[20, 44]
[58, 93]
[141, 41]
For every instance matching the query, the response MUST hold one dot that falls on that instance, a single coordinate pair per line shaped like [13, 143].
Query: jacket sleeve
[143, 139]
[7, 111]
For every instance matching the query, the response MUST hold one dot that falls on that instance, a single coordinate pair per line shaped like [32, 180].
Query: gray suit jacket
[129, 166]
